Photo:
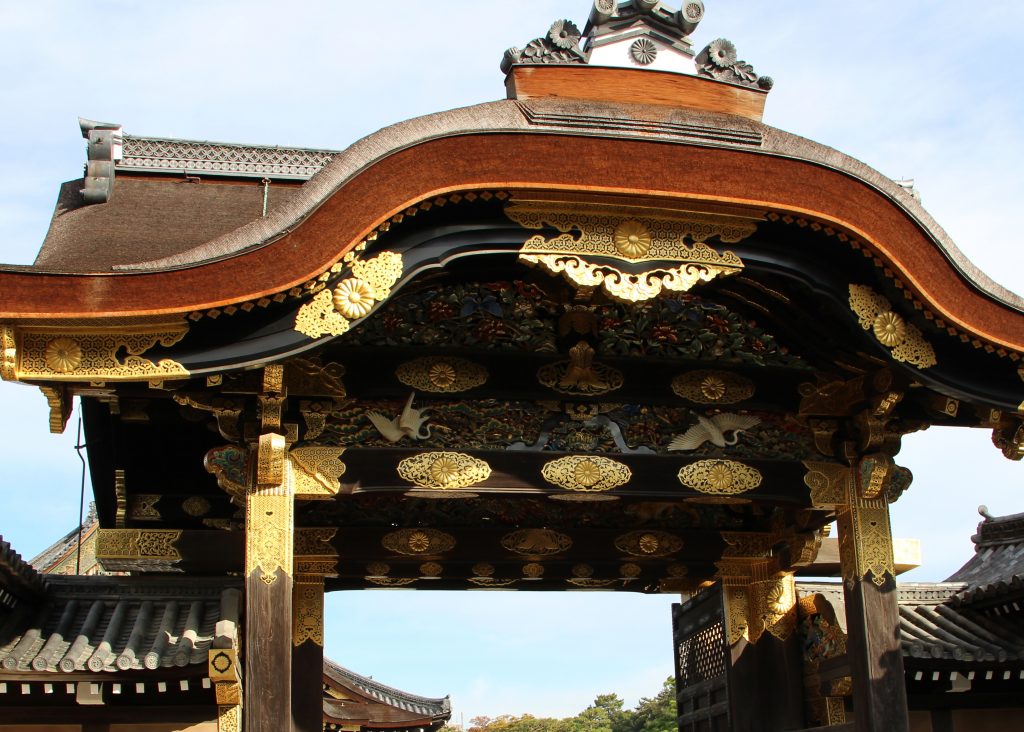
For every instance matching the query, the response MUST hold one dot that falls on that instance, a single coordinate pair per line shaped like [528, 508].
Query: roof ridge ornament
[105, 147]
[719, 60]
[561, 45]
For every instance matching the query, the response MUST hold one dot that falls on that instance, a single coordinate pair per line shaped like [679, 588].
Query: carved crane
[407, 424]
[721, 430]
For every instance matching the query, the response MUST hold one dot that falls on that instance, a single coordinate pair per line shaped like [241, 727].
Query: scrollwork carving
[830, 483]
[608, 237]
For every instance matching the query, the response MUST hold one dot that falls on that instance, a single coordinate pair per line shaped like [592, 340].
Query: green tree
[657, 714]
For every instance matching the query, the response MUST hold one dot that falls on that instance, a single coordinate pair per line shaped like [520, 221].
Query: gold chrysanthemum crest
[330, 312]
[720, 477]
[418, 542]
[713, 387]
[444, 470]
[875, 314]
[648, 543]
[442, 374]
[588, 473]
[94, 355]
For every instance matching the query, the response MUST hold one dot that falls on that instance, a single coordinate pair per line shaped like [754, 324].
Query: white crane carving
[407, 424]
[721, 430]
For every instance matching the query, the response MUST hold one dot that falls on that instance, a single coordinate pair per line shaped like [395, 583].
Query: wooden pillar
[315, 558]
[872, 613]
[269, 535]
[765, 678]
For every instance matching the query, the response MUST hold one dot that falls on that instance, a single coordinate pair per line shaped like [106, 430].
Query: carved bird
[721, 430]
[407, 424]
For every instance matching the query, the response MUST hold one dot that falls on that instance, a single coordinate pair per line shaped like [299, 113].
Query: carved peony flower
[889, 328]
[441, 375]
[419, 541]
[377, 569]
[444, 470]
[649, 543]
[722, 53]
[643, 51]
[564, 33]
[587, 473]
[63, 355]
[720, 477]
[632, 239]
[353, 298]
[676, 570]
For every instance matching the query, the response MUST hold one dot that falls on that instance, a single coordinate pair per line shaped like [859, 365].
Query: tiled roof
[120, 624]
[931, 626]
[997, 568]
[428, 707]
[934, 627]
[16, 573]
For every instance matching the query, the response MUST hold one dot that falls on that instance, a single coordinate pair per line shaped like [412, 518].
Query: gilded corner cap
[331, 312]
[875, 314]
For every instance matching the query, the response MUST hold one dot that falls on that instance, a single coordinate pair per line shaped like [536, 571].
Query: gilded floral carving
[720, 477]
[418, 541]
[649, 543]
[442, 374]
[905, 341]
[713, 387]
[443, 470]
[587, 260]
[331, 312]
[586, 473]
[536, 542]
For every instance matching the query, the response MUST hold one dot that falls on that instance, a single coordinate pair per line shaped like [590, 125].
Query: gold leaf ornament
[353, 298]
[63, 355]
[632, 239]
[330, 312]
[443, 470]
[720, 477]
[441, 374]
[906, 343]
[589, 473]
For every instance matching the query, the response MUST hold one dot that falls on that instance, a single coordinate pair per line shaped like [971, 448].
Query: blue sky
[917, 90]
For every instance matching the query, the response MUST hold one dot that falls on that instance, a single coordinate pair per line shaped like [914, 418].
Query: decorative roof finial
[561, 45]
